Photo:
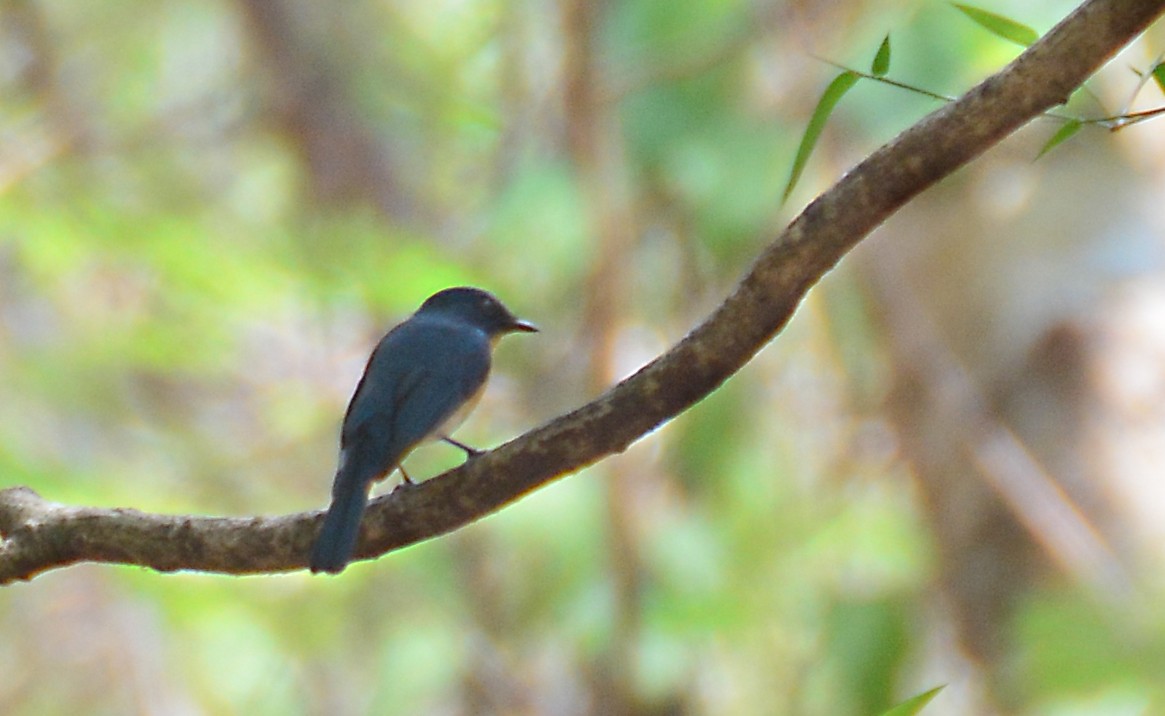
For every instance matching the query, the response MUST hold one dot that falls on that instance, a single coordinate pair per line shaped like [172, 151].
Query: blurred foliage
[182, 318]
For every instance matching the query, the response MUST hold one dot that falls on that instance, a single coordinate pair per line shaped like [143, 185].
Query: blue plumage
[422, 379]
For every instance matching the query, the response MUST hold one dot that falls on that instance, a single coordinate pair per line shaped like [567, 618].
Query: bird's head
[476, 307]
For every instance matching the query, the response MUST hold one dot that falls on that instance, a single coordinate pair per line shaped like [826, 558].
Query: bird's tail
[337, 540]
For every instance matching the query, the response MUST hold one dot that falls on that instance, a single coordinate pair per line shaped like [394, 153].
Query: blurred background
[947, 470]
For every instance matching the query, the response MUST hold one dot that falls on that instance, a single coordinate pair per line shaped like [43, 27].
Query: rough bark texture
[40, 535]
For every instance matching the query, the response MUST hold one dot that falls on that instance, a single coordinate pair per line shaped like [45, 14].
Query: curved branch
[40, 535]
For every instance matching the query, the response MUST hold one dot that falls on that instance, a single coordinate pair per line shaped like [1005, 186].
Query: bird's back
[416, 379]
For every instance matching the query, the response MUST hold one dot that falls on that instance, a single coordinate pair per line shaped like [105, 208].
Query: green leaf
[913, 705]
[1159, 75]
[881, 64]
[1067, 129]
[999, 25]
[829, 99]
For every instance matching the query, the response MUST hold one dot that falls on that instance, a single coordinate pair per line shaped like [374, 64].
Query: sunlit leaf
[829, 99]
[915, 704]
[999, 25]
[881, 64]
[1159, 75]
[1067, 129]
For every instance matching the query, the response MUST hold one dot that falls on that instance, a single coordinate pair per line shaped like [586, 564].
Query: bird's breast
[458, 417]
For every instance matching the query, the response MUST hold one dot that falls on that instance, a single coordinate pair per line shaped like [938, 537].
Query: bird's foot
[470, 453]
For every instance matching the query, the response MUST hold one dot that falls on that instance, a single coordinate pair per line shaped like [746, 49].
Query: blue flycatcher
[423, 378]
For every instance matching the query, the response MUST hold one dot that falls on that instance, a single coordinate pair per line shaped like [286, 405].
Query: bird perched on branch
[423, 378]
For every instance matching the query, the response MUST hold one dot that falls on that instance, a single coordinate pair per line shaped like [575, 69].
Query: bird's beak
[523, 326]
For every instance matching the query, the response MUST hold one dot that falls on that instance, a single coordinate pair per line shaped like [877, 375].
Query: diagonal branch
[40, 535]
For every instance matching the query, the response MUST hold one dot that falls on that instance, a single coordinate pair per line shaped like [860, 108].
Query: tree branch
[40, 535]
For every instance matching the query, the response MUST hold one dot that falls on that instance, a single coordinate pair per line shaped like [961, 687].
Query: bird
[421, 381]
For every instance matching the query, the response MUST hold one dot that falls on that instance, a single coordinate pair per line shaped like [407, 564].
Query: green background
[208, 218]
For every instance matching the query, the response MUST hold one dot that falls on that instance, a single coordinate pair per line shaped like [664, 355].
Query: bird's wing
[418, 377]
[450, 377]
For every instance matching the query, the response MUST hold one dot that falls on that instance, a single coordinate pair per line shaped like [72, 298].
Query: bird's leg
[407, 480]
[470, 453]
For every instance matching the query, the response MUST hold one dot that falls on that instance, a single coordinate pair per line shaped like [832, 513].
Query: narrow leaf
[881, 64]
[1159, 75]
[1067, 129]
[829, 99]
[913, 705]
[999, 25]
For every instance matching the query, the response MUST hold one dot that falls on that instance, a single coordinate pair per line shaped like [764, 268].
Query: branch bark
[40, 535]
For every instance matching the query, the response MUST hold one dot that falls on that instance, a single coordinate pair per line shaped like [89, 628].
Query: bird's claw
[470, 453]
